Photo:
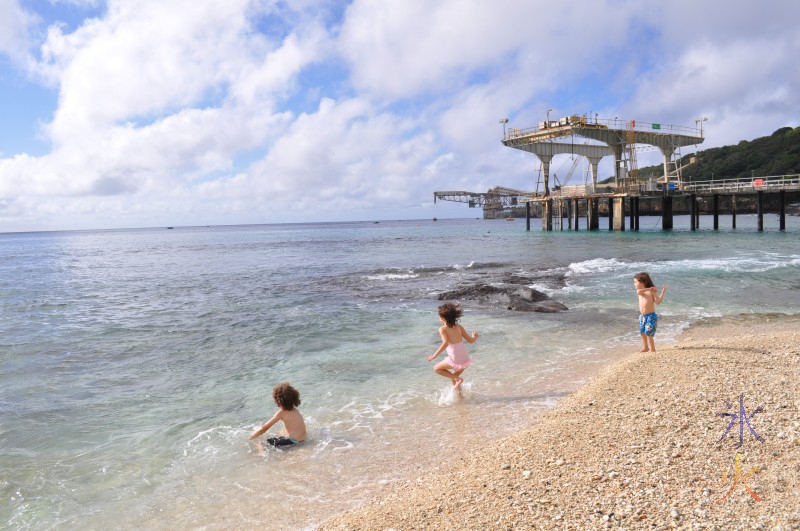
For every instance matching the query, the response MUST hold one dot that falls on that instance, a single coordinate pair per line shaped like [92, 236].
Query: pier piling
[666, 212]
[593, 213]
[782, 211]
[547, 220]
[528, 216]
[619, 213]
[697, 213]
[630, 213]
[575, 211]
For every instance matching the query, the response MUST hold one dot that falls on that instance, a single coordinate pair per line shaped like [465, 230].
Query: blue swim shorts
[647, 324]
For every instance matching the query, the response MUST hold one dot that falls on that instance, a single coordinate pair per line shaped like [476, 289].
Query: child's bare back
[453, 333]
[293, 423]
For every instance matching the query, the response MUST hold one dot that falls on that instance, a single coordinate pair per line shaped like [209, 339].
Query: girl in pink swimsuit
[452, 334]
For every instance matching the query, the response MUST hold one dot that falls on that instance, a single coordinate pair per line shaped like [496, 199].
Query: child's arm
[660, 298]
[441, 348]
[469, 338]
[270, 423]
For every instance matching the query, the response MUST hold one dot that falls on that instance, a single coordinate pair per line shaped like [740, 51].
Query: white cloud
[143, 60]
[400, 49]
[344, 154]
[15, 24]
[188, 110]
[163, 92]
[742, 83]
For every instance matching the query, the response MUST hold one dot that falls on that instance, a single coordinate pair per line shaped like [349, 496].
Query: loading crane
[496, 198]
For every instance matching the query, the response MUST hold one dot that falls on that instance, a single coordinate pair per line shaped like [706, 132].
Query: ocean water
[134, 364]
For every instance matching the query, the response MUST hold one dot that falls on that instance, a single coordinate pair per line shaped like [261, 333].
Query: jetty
[595, 139]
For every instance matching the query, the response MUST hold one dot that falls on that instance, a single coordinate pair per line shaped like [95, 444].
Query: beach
[152, 355]
[642, 445]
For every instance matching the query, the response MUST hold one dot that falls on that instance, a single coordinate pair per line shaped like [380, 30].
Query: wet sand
[642, 445]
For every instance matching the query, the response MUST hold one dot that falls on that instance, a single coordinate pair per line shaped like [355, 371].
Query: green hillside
[777, 154]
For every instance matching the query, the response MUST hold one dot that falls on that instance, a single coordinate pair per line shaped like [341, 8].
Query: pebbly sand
[639, 447]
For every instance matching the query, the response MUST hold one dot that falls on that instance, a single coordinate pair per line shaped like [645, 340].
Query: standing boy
[647, 309]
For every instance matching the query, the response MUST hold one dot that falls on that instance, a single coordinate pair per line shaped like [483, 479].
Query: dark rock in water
[509, 295]
[548, 306]
[476, 292]
[551, 280]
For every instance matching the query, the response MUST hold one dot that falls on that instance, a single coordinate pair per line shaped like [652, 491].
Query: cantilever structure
[616, 137]
[546, 150]
[497, 197]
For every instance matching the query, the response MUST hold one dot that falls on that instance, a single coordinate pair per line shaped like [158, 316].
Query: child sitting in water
[287, 398]
[452, 333]
[647, 308]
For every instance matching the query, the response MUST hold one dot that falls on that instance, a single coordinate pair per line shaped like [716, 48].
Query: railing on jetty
[750, 184]
[770, 183]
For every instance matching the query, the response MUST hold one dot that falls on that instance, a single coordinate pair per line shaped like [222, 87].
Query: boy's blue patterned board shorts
[647, 324]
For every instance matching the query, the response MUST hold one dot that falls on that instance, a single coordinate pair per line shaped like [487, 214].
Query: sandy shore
[641, 446]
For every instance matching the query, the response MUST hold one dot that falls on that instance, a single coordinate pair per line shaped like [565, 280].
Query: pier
[567, 202]
[623, 139]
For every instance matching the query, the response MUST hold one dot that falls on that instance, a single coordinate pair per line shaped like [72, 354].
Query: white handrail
[769, 182]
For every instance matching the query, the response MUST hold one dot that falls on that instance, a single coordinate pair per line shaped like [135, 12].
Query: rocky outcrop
[511, 296]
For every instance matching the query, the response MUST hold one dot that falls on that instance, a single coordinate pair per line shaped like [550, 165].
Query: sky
[148, 113]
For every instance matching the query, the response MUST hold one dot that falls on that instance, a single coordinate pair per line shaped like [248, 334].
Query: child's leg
[458, 380]
[647, 326]
[644, 343]
[443, 369]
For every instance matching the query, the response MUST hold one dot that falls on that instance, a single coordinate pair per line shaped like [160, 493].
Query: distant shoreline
[640, 445]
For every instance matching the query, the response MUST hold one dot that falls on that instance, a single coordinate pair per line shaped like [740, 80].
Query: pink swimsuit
[457, 356]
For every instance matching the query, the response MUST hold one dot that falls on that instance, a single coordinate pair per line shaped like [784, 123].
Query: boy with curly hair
[287, 398]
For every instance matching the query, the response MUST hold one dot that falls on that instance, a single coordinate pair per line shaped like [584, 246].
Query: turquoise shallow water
[135, 363]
